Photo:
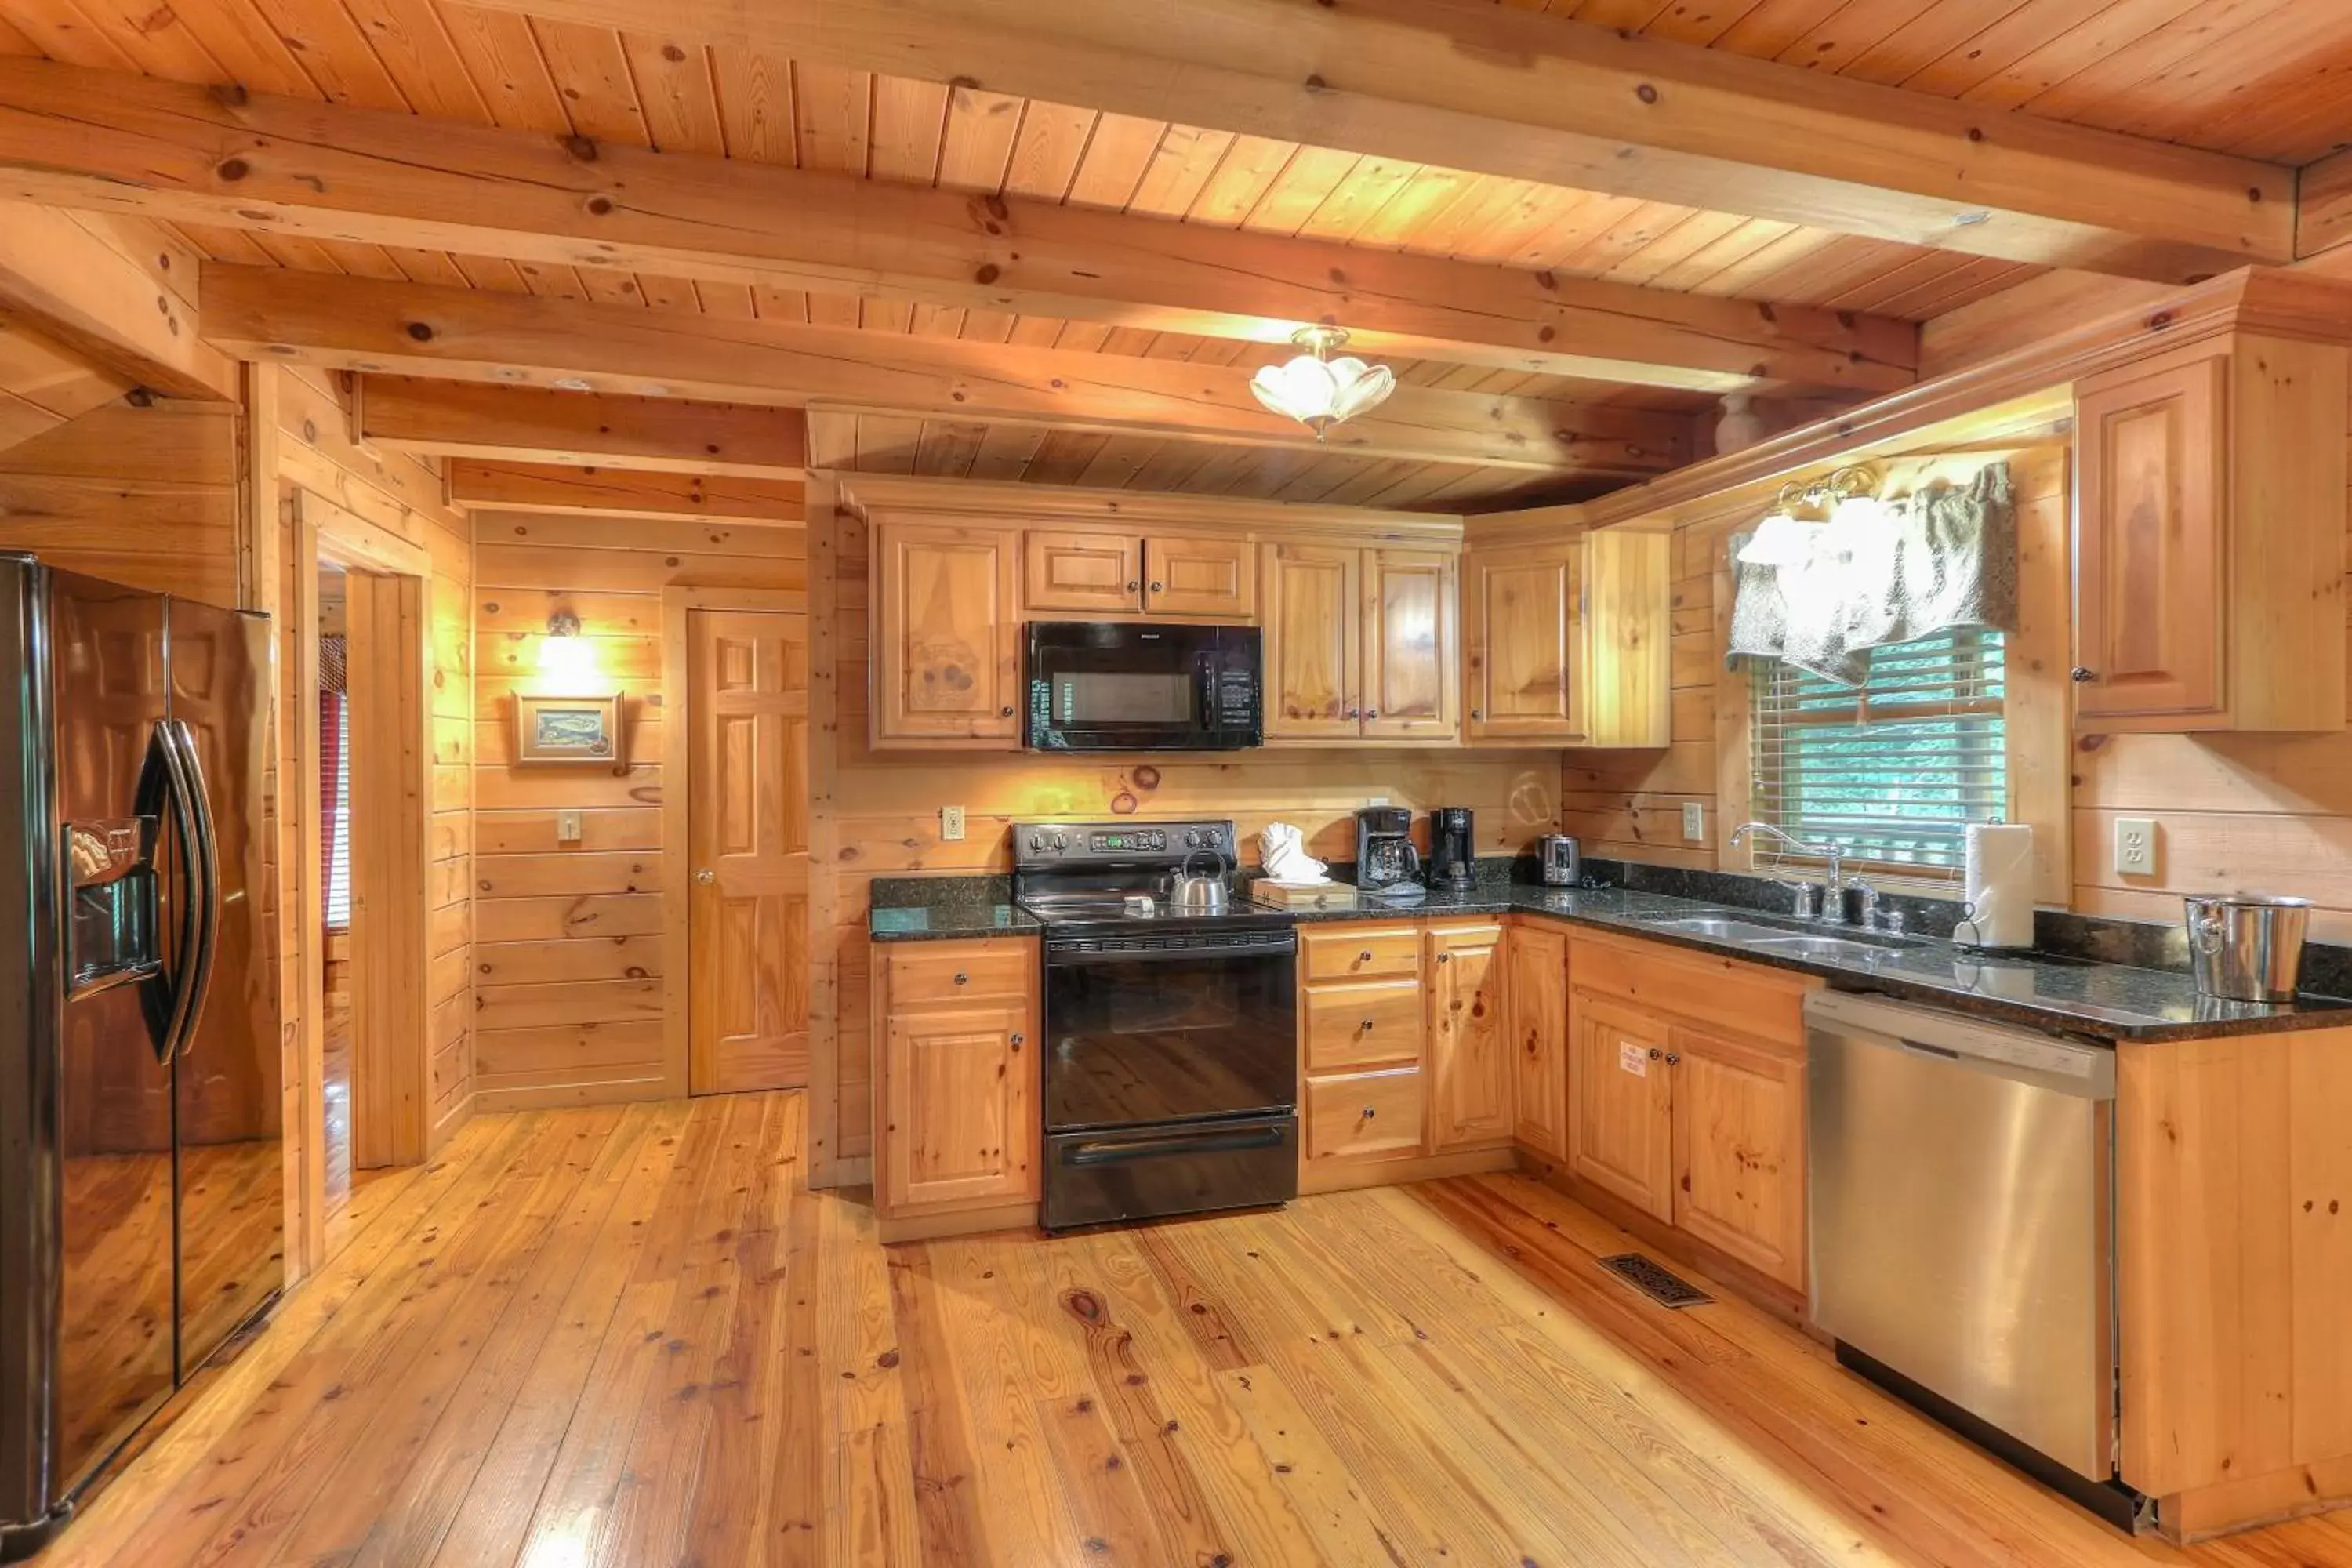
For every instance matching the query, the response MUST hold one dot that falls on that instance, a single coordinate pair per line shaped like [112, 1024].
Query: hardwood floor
[631, 1335]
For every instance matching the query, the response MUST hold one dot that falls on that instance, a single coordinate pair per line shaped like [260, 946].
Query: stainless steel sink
[1720, 928]
[1830, 947]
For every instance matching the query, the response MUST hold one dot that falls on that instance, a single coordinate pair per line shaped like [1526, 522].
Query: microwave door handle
[207, 865]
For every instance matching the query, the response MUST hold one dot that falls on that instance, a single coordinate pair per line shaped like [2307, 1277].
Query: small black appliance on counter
[1386, 861]
[1452, 848]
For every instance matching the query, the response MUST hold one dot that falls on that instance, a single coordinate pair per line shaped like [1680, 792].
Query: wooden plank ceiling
[2256, 78]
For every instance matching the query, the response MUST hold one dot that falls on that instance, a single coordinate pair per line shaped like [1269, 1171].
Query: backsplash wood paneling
[570, 949]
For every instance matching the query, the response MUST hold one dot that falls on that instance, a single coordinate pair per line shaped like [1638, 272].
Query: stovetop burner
[1099, 878]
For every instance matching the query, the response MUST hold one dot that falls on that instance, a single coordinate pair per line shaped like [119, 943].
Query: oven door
[1145, 1030]
[1097, 686]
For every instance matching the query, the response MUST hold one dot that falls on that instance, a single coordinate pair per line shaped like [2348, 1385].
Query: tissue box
[1303, 895]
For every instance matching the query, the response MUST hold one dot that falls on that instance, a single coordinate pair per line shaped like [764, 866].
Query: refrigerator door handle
[164, 795]
[204, 846]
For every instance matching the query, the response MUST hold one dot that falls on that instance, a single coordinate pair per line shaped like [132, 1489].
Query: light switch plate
[951, 823]
[1693, 822]
[2135, 847]
[567, 827]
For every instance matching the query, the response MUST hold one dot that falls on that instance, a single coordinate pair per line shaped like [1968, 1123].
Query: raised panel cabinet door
[1535, 997]
[1083, 572]
[1519, 610]
[946, 631]
[1740, 1149]
[1203, 578]
[1412, 680]
[1312, 629]
[1470, 1070]
[2148, 581]
[960, 1107]
[1620, 1104]
[748, 847]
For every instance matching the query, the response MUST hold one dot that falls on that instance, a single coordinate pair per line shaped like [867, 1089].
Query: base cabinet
[1470, 1065]
[1740, 1149]
[958, 1122]
[1621, 1129]
[1535, 999]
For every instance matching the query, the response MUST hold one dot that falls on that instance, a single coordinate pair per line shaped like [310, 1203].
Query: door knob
[706, 876]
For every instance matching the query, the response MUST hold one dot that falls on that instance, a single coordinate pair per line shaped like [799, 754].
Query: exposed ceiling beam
[1495, 90]
[472, 335]
[526, 424]
[2323, 214]
[121, 299]
[614, 492]
[163, 150]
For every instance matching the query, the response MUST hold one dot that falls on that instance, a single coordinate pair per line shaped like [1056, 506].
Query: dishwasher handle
[2085, 1071]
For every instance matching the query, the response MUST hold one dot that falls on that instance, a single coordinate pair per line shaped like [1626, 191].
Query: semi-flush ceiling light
[1319, 390]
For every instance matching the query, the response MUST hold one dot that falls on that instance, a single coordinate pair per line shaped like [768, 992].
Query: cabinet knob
[1371, 712]
[1444, 958]
[706, 876]
[1673, 1056]
[1006, 711]
[1478, 713]
[1365, 957]
[1656, 1054]
[1368, 1026]
[2082, 673]
[1369, 1113]
[961, 977]
[1131, 587]
[1349, 711]
[1019, 1041]
[1156, 587]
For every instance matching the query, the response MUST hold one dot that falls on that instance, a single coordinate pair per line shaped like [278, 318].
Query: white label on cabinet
[1632, 1058]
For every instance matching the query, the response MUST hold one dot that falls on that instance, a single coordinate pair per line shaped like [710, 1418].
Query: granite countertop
[2035, 990]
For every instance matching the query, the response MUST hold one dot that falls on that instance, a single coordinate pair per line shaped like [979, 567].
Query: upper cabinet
[1567, 642]
[2209, 549]
[1183, 577]
[1360, 645]
[945, 635]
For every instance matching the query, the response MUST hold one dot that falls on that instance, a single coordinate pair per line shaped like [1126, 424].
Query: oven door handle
[1076, 956]
[1116, 1152]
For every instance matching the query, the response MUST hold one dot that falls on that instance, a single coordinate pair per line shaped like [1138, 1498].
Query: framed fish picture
[574, 730]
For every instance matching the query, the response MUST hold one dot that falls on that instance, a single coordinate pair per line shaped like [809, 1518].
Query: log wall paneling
[145, 495]
[575, 948]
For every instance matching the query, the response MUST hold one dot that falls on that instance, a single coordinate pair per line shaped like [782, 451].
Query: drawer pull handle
[961, 977]
[1365, 957]
[1368, 1025]
[1369, 1113]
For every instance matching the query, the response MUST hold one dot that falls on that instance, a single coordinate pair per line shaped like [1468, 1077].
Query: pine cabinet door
[946, 656]
[1519, 644]
[1412, 646]
[1206, 579]
[960, 1113]
[1081, 573]
[1620, 1098]
[1740, 1149]
[1535, 995]
[1471, 1067]
[1312, 630]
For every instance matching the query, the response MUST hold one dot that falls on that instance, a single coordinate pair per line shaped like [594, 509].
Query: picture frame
[552, 731]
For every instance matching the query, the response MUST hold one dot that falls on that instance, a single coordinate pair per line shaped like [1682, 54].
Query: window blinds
[1895, 771]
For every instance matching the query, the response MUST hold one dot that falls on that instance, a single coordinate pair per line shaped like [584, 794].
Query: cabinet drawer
[1763, 1003]
[1362, 953]
[1353, 1027]
[930, 973]
[1368, 1116]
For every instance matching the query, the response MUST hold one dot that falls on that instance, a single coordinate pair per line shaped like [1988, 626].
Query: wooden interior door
[1740, 1149]
[947, 653]
[1621, 1105]
[748, 850]
[2147, 548]
[1535, 994]
[1469, 1042]
[1313, 626]
[1412, 646]
[1519, 636]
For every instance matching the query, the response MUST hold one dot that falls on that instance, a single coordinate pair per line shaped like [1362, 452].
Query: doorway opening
[334, 876]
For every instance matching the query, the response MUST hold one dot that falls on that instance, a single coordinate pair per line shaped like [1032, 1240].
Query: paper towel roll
[1998, 882]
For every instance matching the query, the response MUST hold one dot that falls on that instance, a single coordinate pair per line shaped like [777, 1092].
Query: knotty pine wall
[569, 951]
[1628, 805]
[886, 808]
[401, 494]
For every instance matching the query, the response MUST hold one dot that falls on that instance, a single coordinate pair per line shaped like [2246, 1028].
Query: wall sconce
[564, 656]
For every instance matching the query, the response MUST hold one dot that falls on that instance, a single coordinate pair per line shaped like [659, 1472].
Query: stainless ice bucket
[2247, 947]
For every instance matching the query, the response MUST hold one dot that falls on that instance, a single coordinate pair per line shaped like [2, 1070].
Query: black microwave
[1124, 686]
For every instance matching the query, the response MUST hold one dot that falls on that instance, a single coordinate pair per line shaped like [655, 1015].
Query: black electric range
[1171, 1060]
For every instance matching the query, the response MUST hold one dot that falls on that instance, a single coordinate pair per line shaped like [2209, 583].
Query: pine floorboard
[629, 1336]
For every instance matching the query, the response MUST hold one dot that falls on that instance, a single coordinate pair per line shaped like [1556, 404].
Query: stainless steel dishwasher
[1961, 1223]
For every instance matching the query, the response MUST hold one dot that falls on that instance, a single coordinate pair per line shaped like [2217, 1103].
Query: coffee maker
[1386, 861]
[1452, 848]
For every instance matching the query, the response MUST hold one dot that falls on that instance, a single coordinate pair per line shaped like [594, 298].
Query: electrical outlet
[567, 827]
[951, 823]
[1693, 822]
[1376, 800]
[2135, 847]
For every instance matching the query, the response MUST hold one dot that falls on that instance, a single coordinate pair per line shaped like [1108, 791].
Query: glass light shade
[567, 659]
[1321, 393]
[1779, 541]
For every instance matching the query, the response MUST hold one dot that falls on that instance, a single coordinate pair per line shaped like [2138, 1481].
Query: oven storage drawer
[1095, 1178]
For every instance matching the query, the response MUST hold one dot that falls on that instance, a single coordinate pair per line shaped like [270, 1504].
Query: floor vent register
[1662, 1285]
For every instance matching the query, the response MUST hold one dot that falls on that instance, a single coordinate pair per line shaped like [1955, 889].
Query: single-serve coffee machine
[1452, 848]
[1386, 861]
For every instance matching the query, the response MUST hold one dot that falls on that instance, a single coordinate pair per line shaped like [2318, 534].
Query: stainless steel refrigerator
[141, 1161]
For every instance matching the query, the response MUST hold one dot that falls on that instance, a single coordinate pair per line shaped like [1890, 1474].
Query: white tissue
[1282, 850]
[1998, 882]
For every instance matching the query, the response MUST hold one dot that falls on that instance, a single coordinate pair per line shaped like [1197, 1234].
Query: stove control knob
[1061, 841]
[1036, 841]
[1192, 838]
